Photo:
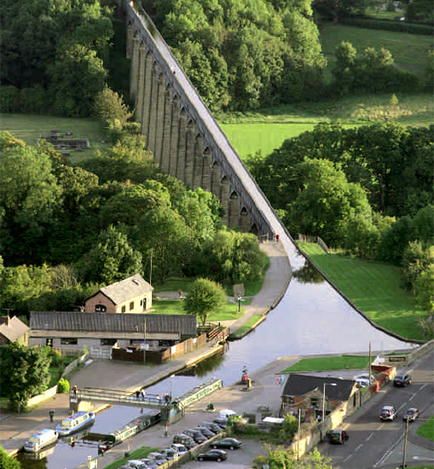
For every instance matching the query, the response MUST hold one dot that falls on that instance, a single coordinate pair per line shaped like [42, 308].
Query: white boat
[40, 440]
[75, 422]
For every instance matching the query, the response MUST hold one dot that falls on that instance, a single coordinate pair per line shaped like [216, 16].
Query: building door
[144, 303]
[49, 342]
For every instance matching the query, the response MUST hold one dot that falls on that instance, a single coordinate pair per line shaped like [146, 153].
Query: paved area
[376, 444]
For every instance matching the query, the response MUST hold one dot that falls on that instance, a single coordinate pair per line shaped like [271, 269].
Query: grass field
[340, 362]
[409, 50]
[374, 287]
[136, 454]
[427, 429]
[29, 127]
[266, 129]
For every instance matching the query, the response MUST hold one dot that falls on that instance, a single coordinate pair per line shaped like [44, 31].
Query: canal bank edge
[356, 308]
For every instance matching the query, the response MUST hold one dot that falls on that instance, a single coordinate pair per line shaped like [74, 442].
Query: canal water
[312, 318]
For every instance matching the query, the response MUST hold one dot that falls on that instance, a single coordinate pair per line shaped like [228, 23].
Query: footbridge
[179, 129]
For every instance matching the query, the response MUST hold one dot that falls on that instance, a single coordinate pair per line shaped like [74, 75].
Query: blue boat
[75, 422]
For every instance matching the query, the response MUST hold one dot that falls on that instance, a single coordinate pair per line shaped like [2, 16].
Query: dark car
[213, 455]
[411, 414]
[337, 436]
[212, 426]
[205, 432]
[229, 443]
[185, 440]
[197, 436]
[402, 380]
[222, 423]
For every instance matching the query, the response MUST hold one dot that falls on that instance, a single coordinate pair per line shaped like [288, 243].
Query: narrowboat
[40, 440]
[75, 422]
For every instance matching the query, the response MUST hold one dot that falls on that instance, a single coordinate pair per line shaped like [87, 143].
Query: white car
[388, 412]
[363, 380]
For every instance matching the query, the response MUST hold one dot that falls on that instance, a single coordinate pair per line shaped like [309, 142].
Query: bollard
[51, 414]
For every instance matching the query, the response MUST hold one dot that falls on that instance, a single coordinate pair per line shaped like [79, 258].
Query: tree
[343, 71]
[78, 75]
[415, 260]
[112, 259]
[424, 291]
[282, 458]
[204, 298]
[289, 427]
[24, 373]
[109, 106]
[7, 461]
[29, 199]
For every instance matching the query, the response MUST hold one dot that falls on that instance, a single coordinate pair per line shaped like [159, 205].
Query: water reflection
[308, 274]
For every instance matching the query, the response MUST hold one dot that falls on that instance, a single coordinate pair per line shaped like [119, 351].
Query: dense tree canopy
[244, 54]
[204, 298]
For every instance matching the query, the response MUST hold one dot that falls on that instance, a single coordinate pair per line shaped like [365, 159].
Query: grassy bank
[341, 362]
[427, 429]
[136, 454]
[242, 331]
[30, 127]
[409, 50]
[374, 287]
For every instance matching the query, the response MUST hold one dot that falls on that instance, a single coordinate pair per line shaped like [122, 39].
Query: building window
[144, 302]
[100, 308]
[314, 402]
[108, 341]
[131, 305]
[68, 341]
[124, 308]
[49, 342]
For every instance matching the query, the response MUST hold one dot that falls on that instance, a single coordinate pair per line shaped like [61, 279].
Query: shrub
[34, 100]
[56, 358]
[400, 26]
[63, 386]
[9, 98]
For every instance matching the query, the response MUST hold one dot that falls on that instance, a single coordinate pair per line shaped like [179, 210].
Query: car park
[402, 380]
[411, 414]
[228, 443]
[388, 412]
[213, 455]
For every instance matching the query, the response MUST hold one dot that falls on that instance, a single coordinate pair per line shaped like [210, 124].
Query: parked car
[149, 463]
[180, 449]
[222, 423]
[185, 440]
[213, 455]
[197, 436]
[205, 432]
[169, 453]
[158, 458]
[411, 414]
[363, 380]
[402, 380]
[136, 464]
[388, 412]
[337, 436]
[212, 426]
[225, 414]
[229, 443]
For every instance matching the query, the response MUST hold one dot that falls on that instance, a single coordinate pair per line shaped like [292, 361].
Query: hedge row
[33, 100]
[400, 26]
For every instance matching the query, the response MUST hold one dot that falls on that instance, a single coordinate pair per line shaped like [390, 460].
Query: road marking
[388, 452]
[381, 426]
[423, 387]
[348, 457]
[400, 407]
[412, 396]
[370, 436]
[358, 447]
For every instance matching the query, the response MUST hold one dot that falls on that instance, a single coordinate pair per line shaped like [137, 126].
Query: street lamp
[323, 398]
[239, 299]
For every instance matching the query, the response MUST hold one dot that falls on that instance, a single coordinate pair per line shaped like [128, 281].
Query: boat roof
[77, 414]
[44, 431]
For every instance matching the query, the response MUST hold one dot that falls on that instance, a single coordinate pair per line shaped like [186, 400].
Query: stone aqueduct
[186, 141]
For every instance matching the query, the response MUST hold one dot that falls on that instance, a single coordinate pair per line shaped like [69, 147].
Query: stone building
[131, 295]
[71, 332]
[13, 330]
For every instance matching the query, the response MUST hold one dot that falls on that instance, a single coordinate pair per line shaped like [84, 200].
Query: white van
[40, 440]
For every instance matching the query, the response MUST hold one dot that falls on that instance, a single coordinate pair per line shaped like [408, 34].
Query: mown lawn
[374, 287]
[427, 429]
[29, 127]
[340, 362]
[409, 50]
[136, 454]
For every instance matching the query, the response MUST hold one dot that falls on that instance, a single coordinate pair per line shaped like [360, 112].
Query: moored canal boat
[40, 440]
[75, 422]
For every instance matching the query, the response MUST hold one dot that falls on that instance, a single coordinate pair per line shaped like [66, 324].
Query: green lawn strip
[241, 331]
[138, 453]
[409, 50]
[175, 284]
[341, 362]
[29, 127]
[228, 312]
[374, 287]
[427, 429]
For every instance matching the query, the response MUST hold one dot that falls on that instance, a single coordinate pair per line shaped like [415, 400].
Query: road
[376, 444]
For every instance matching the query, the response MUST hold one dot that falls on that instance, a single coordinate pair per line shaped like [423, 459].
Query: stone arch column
[174, 135]
[165, 143]
[153, 115]
[198, 161]
[245, 222]
[233, 209]
[141, 83]
[215, 178]
[182, 160]
[190, 132]
[207, 171]
[225, 190]
[134, 69]
[147, 97]
[129, 42]
[161, 116]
